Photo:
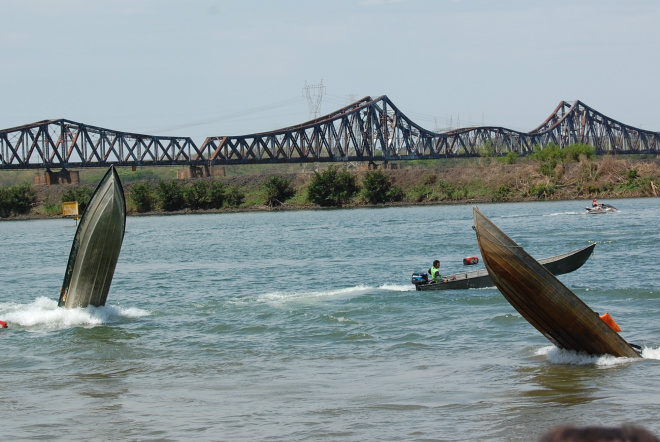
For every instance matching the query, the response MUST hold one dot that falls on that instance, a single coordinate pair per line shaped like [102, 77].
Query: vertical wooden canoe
[96, 246]
[542, 299]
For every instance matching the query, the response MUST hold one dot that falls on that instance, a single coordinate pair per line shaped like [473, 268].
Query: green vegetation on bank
[332, 187]
[16, 200]
[551, 173]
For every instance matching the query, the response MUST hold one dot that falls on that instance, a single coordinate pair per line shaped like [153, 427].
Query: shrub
[278, 190]
[573, 152]
[511, 158]
[648, 185]
[447, 190]
[331, 187]
[420, 193]
[234, 196]
[16, 200]
[541, 190]
[170, 195]
[216, 194]
[547, 167]
[429, 179]
[501, 193]
[375, 186]
[550, 152]
[632, 183]
[204, 195]
[50, 208]
[396, 193]
[142, 197]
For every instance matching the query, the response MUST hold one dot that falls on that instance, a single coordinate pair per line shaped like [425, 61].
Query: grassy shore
[444, 181]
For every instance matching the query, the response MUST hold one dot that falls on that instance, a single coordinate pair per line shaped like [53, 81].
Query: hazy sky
[232, 67]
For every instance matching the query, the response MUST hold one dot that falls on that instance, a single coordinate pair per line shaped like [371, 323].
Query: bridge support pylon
[192, 172]
[64, 176]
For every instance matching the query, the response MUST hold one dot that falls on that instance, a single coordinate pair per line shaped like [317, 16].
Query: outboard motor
[420, 278]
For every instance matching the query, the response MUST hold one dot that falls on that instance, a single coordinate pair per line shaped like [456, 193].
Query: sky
[199, 68]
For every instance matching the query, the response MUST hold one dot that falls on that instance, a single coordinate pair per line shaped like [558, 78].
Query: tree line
[337, 186]
[333, 187]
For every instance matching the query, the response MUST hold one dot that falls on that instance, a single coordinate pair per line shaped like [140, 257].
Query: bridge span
[370, 129]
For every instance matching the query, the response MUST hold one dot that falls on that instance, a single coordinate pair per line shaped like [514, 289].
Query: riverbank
[424, 183]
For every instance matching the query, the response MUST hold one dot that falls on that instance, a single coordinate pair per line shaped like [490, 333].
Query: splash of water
[44, 314]
[557, 355]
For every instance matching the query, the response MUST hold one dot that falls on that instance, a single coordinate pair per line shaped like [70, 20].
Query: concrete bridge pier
[64, 176]
[192, 172]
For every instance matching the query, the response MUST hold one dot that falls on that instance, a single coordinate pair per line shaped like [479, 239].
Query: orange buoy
[3, 324]
[470, 260]
[609, 321]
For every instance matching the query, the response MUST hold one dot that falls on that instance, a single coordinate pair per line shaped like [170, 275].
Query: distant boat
[542, 299]
[96, 246]
[558, 265]
[600, 208]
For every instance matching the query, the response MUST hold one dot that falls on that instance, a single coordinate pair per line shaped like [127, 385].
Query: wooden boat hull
[558, 265]
[542, 299]
[96, 246]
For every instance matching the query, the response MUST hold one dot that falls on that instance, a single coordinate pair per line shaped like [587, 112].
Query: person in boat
[434, 271]
[596, 205]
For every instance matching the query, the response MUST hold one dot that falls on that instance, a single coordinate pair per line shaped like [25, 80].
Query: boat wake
[43, 314]
[557, 355]
[397, 288]
[283, 297]
[563, 213]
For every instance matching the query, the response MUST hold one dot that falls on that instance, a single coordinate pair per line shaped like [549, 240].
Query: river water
[304, 326]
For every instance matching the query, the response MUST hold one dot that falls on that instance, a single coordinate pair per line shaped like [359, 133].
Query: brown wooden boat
[542, 299]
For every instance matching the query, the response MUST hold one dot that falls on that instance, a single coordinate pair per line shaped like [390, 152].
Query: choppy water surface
[304, 326]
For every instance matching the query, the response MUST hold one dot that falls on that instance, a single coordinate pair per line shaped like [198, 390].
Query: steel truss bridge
[367, 130]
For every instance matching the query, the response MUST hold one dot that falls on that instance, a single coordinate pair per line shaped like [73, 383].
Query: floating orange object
[470, 260]
[3, 324]
[609, 321]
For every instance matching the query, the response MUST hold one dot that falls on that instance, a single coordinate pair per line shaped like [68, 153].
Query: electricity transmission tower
[314, 94]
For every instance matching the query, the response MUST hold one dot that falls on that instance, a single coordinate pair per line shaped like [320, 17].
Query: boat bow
[542, 299]
[96, 246]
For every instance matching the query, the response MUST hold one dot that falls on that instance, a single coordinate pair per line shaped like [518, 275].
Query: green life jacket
[435, 274]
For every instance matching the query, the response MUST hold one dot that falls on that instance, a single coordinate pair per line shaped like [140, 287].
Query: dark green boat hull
[96, 246]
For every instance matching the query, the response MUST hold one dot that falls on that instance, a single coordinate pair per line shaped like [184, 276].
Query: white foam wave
[397, 288]
[562, 213]
[557, 355]
[44, 314]
[280, 297]
[651, 353]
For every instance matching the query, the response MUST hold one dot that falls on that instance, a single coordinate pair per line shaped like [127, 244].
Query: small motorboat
[600, 208]
[96, 246]
[558, 265]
